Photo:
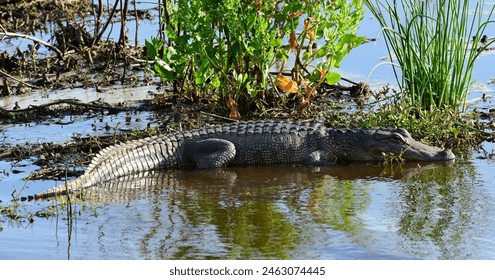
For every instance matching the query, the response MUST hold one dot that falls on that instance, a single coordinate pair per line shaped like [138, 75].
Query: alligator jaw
[420, 152]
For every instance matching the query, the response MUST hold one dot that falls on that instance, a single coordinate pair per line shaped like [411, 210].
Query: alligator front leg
[320, 157]
[211, 153]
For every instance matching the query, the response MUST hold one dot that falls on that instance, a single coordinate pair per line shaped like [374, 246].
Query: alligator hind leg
[212, 153]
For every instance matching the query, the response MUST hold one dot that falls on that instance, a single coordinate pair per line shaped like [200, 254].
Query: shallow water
[357, 211]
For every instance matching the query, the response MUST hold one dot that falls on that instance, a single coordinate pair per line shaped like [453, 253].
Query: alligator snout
[446, 155]
[420, 152]
[417, 151]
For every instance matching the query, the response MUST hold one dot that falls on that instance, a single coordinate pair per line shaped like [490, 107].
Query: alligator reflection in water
[151, 183]
[283, 212]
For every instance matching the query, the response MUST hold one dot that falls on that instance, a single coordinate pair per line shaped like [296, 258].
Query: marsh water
[275, 212]
[348, 211]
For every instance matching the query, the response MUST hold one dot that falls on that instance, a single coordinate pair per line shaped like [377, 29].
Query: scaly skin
[251, 143]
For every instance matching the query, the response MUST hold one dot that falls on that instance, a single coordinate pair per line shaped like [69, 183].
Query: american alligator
[251, 143]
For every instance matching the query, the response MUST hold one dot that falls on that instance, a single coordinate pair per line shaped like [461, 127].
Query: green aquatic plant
[227, 50]
[435, 44]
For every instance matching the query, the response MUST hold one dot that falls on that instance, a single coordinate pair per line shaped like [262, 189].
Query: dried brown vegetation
[75, 53]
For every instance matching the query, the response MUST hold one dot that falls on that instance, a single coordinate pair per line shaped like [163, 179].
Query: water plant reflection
[438, 207]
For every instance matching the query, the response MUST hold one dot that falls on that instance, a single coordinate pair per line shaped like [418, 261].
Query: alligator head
[377, 144]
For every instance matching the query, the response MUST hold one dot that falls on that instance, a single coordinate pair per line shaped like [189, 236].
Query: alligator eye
[398, 138]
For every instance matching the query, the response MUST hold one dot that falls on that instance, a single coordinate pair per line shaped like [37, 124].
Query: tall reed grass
[435, 44]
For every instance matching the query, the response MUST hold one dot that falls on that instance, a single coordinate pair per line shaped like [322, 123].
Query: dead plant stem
[17, 80]
[34, 39]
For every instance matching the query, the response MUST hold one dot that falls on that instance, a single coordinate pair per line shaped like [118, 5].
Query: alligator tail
[124, 159]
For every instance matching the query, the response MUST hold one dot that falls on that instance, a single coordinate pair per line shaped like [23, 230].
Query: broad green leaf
[199, 78]
[250, 20]
[333, 78]
[164, 70]
[151, 49]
